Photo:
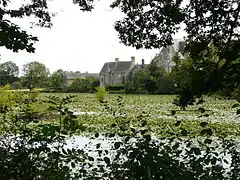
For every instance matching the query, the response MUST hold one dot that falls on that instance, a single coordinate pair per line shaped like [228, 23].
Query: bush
[16, 85]
[100, 94]
[117, 87]
[83, 85]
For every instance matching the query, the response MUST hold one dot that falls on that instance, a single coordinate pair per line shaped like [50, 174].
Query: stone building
[165, 56]
[116, 72]
[71, 76]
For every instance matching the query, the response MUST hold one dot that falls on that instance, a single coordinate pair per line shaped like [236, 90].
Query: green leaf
[173, 112]
[90, 158]
[113, 125]
[64, 151]
[73, 164]
[69, 151]
[96, 135]
[175, 146]
[207, 141]
[196, 151]
[64, 132]
[106, 160]
[184, 132]
[117, 145]
[98, 145]
[238, 111]
[224, 160]
[235, 105]
[133, 130]
[203, 124]
[202, 110]
[144, 124]
[221, 63]
[111, 135]
[143, 131]
[177, 123]
[209, 132]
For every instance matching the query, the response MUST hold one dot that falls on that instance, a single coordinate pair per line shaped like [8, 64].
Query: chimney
[142, 61]
[116, 59]
[133, 60]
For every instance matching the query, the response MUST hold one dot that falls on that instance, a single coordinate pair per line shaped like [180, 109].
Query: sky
[78, 41]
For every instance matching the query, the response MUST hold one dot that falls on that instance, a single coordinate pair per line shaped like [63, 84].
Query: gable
[106, 67]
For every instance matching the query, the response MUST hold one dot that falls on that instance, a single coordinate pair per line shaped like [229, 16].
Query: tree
[58, 80]
[152, 24]
[138, 82]
[10, 67]
[16, 85]
[35, 74]
[12, 36]
[8, 73]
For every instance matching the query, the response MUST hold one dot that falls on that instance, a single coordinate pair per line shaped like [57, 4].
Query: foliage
[8, 73]
[148, 24]
[139, 155]
[35, 74]
[152, 24]
[193, 77]
[38, 153]
[152, 79]
[58, 80]
[10, 67]
[217, 112]
[116, 87]
[100, 94]
[12, 36]
[137, 83]
[16, 85]
[135, 152]
[83, 85]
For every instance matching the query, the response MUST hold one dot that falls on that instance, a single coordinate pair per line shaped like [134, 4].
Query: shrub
[117, 87]
[16, 85]
[83, 85]
[100, 94]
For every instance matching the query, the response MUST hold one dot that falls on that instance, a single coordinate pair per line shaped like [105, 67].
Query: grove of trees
[36, 75]
[152, 24]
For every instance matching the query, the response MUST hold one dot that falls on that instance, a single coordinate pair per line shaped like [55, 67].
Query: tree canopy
[10, 67]
[147, 24]
[58, 79]
[35, 74]
[9, 72]
[152, 24]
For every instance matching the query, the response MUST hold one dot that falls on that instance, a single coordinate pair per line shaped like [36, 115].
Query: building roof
[117, 67]
[75, 75]
[139, 66]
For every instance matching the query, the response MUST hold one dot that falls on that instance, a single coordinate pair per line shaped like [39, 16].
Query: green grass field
[156, 109]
